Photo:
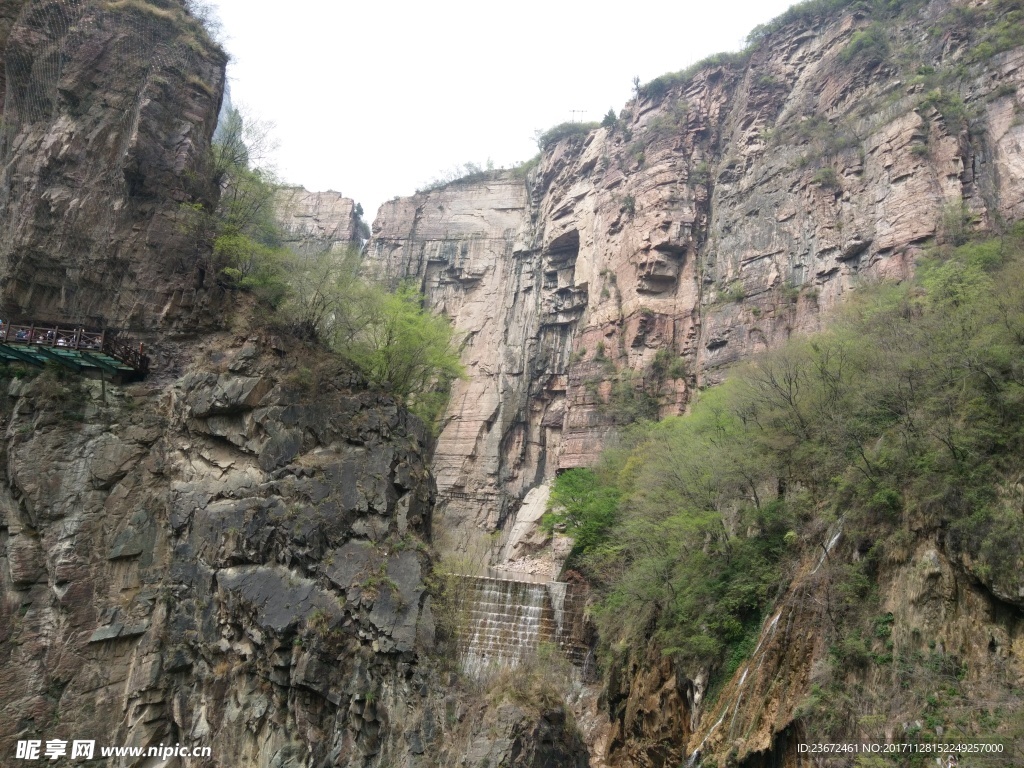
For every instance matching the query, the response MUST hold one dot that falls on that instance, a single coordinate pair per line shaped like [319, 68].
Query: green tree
[239, 232]
[406, 349]
[586, 507]
[390, 337]
[327, 300]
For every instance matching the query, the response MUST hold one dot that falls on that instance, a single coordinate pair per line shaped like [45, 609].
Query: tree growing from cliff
[390, 337]
[405, 348]
[585, 506]
[235, 233]
[326, 297]
[206, 14]
[550, 137]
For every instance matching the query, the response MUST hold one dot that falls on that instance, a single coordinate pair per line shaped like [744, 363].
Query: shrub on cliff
[662, 84]
[237, 236]
[812, 11]
[868, 47]
[906, 415]
[404, 347]
[583, 504]
[325, 299]
[467, 173]
[396, 343]
[550, 137]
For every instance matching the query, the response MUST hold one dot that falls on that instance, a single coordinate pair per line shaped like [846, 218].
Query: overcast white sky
[373, 99]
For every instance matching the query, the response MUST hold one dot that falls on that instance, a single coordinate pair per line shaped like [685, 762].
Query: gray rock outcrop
[178, 562]
[108, 110]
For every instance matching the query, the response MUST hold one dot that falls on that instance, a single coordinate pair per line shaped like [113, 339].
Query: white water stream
[505, 621]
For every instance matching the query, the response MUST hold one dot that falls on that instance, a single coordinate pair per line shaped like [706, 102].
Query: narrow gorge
[259, 550]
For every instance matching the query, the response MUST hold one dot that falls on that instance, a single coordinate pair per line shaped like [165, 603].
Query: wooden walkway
[83, 351]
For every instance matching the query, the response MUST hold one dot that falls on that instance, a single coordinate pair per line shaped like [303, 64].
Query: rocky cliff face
[718, 216]
[969, 638]
[723, 212]
[315, 222]
[107, 111]
[235, 560]
[471, 250]
[219, 561]
[232, 555]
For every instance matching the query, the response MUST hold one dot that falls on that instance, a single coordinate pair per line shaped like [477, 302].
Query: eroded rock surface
[317, 222]
[470, 249]
[107, 114]
[179, 563]
[234, 554]
[516, 738]
[236, 559]
[712, 221]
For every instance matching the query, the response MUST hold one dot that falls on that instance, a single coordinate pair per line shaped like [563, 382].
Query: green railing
[72, 346]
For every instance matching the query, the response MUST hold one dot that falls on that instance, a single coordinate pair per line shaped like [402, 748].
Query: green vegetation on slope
[871, 43]
[387, 335]
[662, 84]
[812, 11]
[906, 417]
[553, 135]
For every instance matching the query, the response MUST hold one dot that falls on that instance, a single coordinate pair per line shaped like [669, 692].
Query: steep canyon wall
[233, 554]
[317, 222]
[108, 109]
[721, 213]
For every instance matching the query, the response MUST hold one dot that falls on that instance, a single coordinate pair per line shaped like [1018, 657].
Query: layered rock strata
[720, 214]
[220, 562]
[714, 219]
[470, 248]
[108, 109]
[317, 222]
[234, 560]
[231, 555]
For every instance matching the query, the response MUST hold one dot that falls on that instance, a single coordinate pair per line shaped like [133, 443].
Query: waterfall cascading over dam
[505, 621]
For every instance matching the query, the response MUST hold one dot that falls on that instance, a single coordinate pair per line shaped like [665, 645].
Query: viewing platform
[105, 352]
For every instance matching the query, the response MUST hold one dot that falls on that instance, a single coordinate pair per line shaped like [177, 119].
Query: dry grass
[142, 5]
[192, 32]
[540, 682]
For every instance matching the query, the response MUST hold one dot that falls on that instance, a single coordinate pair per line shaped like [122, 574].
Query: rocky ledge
[236, 559]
